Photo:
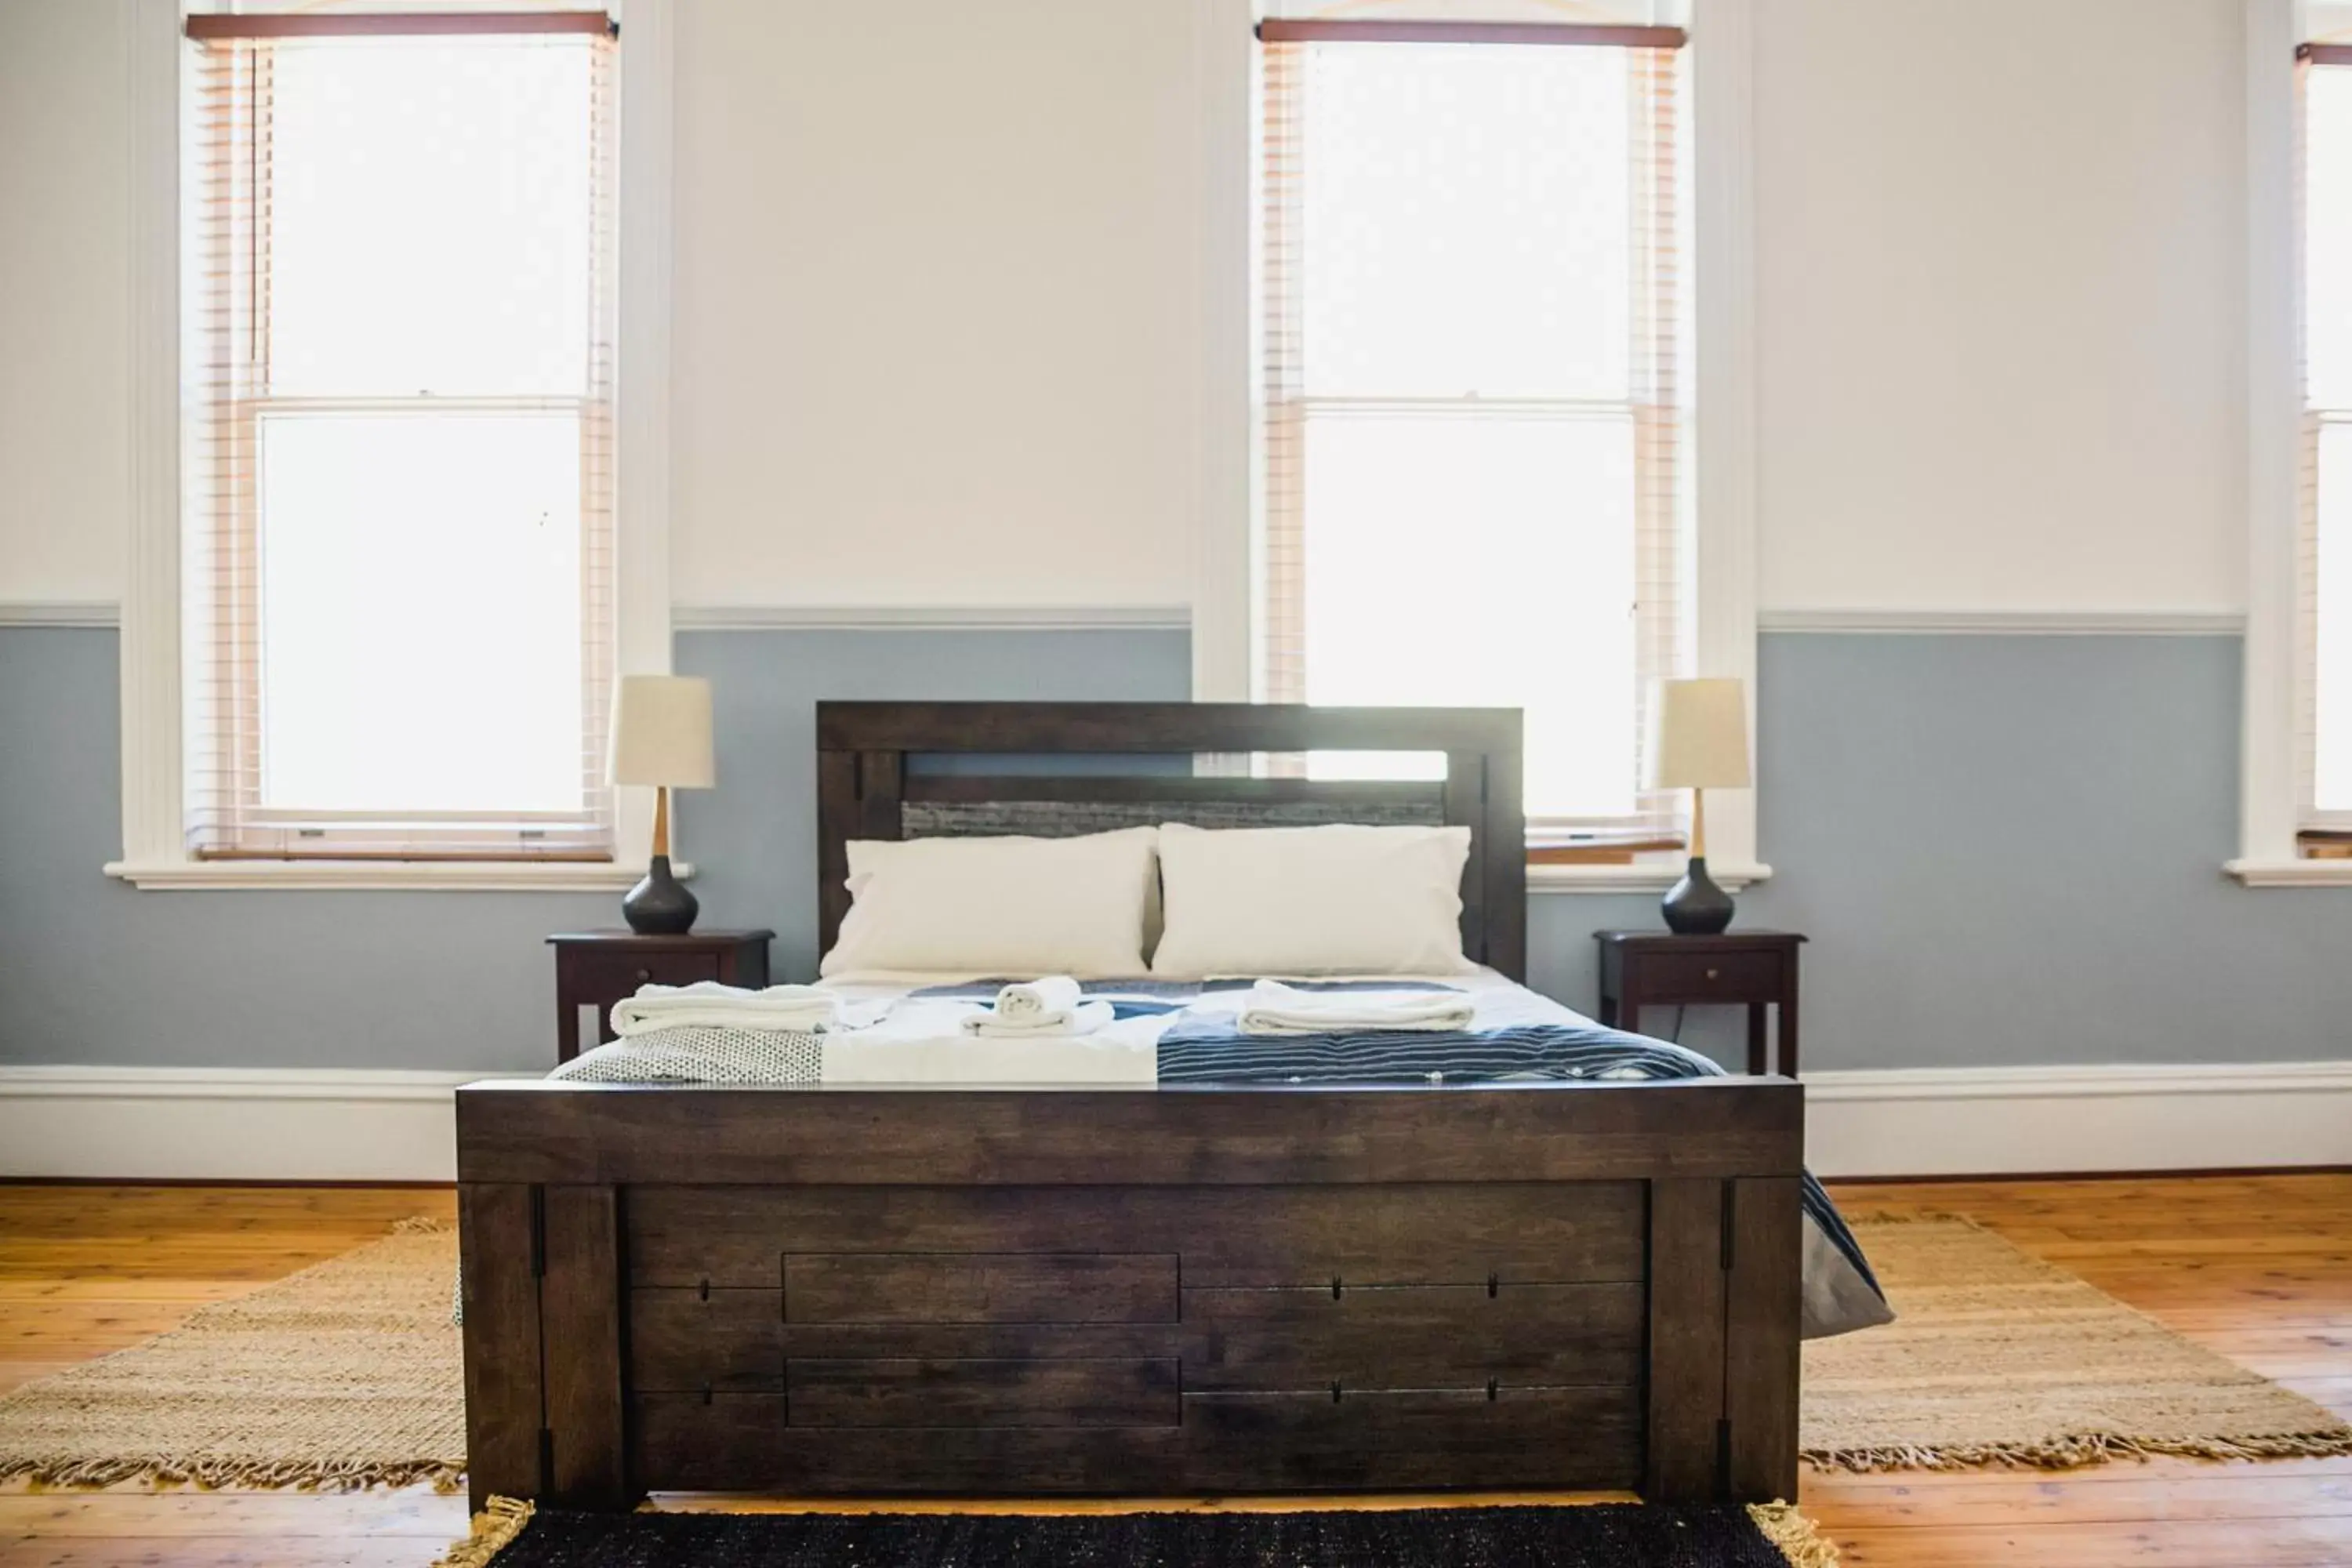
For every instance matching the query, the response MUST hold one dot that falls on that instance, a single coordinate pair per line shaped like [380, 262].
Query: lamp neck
[661, 819]
[1698, 824]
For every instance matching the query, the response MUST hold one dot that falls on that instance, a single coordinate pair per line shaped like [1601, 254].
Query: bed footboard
[1182, 1292]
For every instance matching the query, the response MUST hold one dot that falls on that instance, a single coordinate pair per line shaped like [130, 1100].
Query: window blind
[1473, 354]
[2323, 552]
[398, 473]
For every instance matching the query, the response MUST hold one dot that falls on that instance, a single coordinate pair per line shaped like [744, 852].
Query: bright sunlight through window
[2327, 420]
[1472, 438]
[400, 596]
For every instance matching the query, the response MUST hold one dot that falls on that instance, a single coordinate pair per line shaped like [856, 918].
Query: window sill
[2296, 873]
[479, 876]
[1643, 878]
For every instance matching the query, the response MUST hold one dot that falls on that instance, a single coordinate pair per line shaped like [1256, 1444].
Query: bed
[1204, 1288]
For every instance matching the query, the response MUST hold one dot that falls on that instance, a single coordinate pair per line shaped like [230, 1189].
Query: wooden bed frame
[1187, 1290]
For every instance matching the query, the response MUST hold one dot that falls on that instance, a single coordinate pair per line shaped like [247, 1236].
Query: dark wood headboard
[866, 789]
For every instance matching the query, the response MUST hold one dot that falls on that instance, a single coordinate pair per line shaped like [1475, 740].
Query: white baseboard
[229, 1123]
[1932, 1121]
[269, 1124]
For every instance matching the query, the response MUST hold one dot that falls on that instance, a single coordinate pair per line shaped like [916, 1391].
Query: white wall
[2001, 260]
[63, 320]
[937, 306]
[940, 294]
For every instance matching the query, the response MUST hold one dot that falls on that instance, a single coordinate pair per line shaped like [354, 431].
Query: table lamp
[661, 736]
[1701, 744]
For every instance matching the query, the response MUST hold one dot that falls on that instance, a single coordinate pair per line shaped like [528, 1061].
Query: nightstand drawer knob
[1715, 974]
[645, 976]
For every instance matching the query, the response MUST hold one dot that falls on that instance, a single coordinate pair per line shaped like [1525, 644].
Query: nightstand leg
[1788, 1032]
[1757, 1064]
[567, 1021]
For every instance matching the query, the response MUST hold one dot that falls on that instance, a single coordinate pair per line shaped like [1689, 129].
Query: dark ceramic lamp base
[1695, 906]
[660, 905]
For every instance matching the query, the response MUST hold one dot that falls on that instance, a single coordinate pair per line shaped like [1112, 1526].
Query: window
[397, 621]
[2326, 556]
[1474, 352]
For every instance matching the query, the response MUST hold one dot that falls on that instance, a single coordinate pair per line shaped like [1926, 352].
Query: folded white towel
[1040, 1001]
[705, 1003]
[1273, 1008]
[1083, 1019]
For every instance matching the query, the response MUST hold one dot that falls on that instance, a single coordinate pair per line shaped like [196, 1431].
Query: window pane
[2329, 220]
[1481, 559]
[429, 224]
[420, 592]
[2332, 779]
[1466, 221]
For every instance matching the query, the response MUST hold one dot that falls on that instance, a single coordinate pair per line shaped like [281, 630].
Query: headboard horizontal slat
[1165, 727]
[1070, 818]
[975, 787]
[866, 788]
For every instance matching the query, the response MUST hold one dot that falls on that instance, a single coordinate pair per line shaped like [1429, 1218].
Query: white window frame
[155, 848]
[2277, 667]
[1723, 120]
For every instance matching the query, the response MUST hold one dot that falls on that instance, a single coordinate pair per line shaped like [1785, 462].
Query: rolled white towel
[1083, 1019]
[1039, 1001]
[1273, 1008]
[705, 1003]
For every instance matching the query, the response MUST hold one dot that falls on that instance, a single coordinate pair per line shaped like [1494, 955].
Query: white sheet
[1273, 1008]
[920, 1042]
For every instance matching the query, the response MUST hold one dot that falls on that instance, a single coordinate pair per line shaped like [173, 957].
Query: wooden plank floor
[2259, 1267]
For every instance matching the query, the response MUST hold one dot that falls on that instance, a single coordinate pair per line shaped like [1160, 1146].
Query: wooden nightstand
[597, 968]
[1657, 969]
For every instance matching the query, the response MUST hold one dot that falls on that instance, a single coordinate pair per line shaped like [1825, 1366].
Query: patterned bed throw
[703, 1055]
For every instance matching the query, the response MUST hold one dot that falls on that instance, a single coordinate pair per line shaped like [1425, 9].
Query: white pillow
[1337, 900]
[997, 906]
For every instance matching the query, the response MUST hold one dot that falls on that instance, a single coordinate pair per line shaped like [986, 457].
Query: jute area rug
[345, 1375]
[1998, 1358]
[348, 1374]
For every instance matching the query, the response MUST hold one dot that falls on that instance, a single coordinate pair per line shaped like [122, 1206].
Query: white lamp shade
[661, 732]
[1702, 736]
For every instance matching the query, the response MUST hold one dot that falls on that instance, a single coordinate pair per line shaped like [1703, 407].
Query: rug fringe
[424, 1225]
[502, 1520]
[306, 1474]
[1914, 1216]
[2080, 1450]
[1794, 1536]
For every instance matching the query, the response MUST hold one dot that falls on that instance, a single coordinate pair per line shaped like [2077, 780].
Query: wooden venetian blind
[1474, 361]
[398, 576]
[2324, 606]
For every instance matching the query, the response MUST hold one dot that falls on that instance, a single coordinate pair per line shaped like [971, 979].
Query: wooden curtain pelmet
[1274, 30]
[234, 391]
[216, 27]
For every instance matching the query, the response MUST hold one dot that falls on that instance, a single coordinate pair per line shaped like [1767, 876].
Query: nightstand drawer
[595, 968]
[618, 975]
[1700, 977]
